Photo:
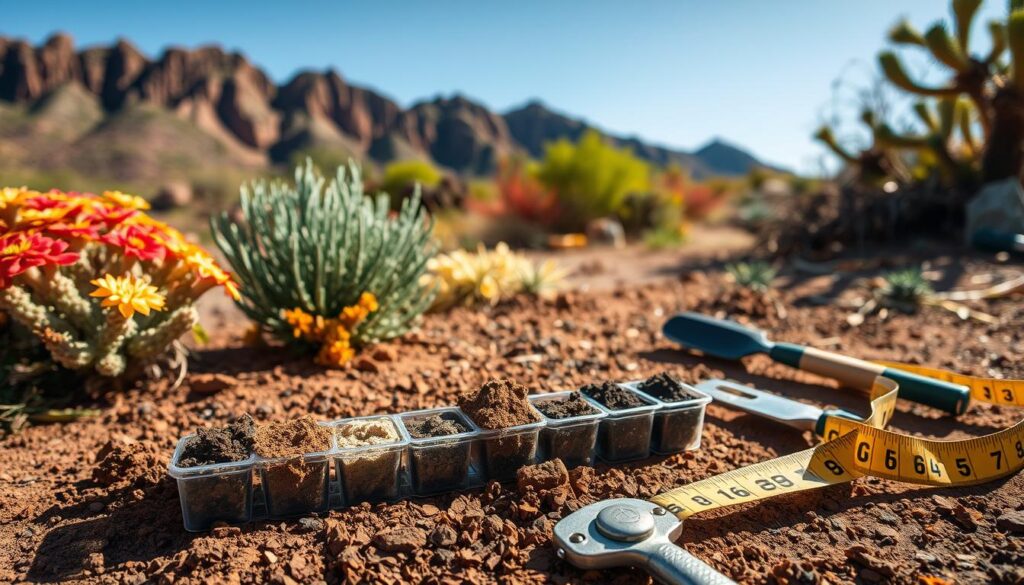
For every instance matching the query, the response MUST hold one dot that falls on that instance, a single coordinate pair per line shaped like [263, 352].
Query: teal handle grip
[787, 353]
[953, 398]
[819, 428]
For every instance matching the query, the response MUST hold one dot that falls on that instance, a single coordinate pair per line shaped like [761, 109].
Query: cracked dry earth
[91, 502]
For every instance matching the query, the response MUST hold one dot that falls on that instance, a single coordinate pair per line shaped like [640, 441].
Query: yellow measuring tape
[857, 448]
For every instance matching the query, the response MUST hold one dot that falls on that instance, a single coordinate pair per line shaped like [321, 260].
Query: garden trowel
[730, 340]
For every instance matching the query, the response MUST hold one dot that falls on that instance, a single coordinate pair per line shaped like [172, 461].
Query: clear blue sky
[674, 72]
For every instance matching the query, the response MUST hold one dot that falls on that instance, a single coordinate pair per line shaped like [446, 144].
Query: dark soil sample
[665, 388]
[443, 465]
[500, 404]
[208, 499]
[437, 425]
[219, 444]
[674, 429]
[295, 486]
[570, 406]
[620, 438]
[613, 396]
[220, 497]
[571, 442]
[371, 475]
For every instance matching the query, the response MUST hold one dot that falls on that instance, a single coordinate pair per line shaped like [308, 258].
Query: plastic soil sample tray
[440, 450]
[509, 427]
[294, 466]
[213, 469]
[625, 433]
[570, 432]
[368, 458]
[678, 423]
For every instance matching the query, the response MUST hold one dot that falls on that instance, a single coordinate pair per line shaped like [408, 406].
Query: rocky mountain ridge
[59, 105]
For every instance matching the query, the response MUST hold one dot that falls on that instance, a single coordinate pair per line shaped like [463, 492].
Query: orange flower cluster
[333, 334]
[53, 229]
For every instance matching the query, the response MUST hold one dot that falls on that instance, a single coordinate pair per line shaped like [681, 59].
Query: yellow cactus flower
[335, 354]
[125, 200]
[369, 302]
[302, 322]
[129, 294]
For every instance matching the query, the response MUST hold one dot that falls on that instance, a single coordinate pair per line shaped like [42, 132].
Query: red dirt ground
[91, 502]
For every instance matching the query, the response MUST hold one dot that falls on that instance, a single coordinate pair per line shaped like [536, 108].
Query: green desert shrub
[403, 175]
[591, 178]
[323, 265]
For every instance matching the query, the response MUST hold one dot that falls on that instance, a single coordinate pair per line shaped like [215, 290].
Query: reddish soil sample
[220, 444]
[570, 406]
[613, 396]
[369, 475]
[438, 465]
[296, 485]
[500, 404]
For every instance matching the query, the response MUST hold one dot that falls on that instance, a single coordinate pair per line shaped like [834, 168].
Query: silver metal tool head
[765, 404]
[628, 532]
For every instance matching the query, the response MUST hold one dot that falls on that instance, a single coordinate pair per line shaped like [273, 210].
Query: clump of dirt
[570, 406]
[128, 462]
[372, 475]
[498, 404]
[294, 486]
[612, 395]
[665, 387]
[220, 444]
[294, 437]
[546, 482]
[543, 476]
[436, 425]
[366, 432]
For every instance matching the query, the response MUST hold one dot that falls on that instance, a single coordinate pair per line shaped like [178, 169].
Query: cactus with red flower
[98, 282]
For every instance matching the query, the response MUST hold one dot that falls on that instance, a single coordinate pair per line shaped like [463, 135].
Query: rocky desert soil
[91, 502]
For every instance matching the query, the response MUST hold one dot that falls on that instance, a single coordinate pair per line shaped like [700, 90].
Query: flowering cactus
[487, 276]
[97, 281]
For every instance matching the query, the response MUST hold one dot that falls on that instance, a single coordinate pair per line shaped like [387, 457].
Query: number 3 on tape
[858, 448]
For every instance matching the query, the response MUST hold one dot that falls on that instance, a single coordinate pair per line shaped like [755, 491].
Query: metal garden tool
[627, 532]
[771, 406]
[730, 340]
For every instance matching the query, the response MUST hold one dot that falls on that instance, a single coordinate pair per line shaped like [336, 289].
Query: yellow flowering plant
[101, 285]
[487, 276]
[333, 336]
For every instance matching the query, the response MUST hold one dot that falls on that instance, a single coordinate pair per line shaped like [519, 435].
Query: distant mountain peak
[234, 103]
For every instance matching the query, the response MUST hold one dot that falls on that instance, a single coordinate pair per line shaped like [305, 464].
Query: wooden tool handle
[856, 373]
